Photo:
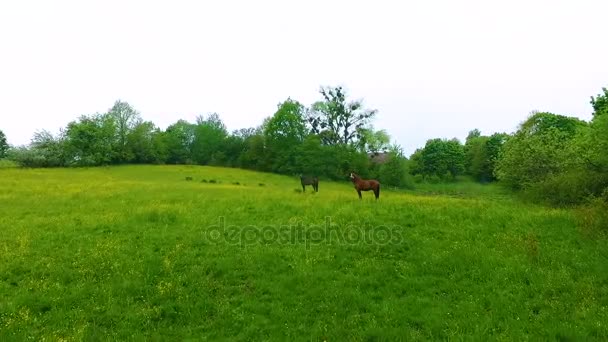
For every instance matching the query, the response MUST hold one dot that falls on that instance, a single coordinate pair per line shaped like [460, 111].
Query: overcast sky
[432, 68]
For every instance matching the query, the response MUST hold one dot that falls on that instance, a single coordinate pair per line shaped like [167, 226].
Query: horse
[365, 185]
[308, 180]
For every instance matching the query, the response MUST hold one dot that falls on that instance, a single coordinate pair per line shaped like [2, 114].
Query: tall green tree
[178, 139]
[126, 118]
[90, 140]
[481, 153]
[209, 139]
[283, 133]
[439, 157]
[312, 158]
[143, 143]
[337, 120]
[3, 145]
[374, 141]
[540, 147]
[600, 103]
[394, 172]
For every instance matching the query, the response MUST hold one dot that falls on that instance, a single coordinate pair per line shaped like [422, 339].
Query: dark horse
[365, 185]
[307, 180]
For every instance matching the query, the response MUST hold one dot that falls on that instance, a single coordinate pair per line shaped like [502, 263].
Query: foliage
[540, 148]
[125, 118]
[394, 172]
[145, 145]
[3, 145]
[373, 141]
[336, 120]
[178, 140]
[209, 140]
[283, 133]
[91, 140]
[600, 103]
[481, 153]
[45, 150]
[440, 158]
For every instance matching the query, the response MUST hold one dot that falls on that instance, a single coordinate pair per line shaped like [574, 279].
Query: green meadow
[141, 253]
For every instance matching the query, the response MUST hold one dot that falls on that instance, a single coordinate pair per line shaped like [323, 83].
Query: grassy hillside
[138, 252]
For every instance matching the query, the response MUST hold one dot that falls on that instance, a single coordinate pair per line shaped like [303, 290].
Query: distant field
[140, 253]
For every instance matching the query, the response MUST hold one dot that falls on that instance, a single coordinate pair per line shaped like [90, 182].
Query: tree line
[331, 138]
[551, 157]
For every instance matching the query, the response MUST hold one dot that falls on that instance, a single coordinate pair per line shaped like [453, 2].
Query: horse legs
[359, 192]
[303, 188]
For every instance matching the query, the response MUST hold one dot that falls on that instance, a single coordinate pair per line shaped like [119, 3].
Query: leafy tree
[126, 118]
[600, 103]
[481, 154]
[254, 157]
[91, 140]
[493, 148]
[209, 137]
[3, 145]
[142, 142]
[284, 132]
[236, 146]
[287, 125]
[336, 120]
[541, 147]
[45, 150]
[51, 149]
[374, 141]
[477, 158]
[395, 172]
[178, 139]
[312, 157]
[440, 158]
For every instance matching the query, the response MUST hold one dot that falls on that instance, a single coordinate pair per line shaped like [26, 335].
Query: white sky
[432, 68]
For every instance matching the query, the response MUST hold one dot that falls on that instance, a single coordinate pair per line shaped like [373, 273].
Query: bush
[568, 188]
[395, 173]
[7, 164]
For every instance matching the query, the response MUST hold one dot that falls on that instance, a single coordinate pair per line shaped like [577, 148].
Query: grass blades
[139, 253]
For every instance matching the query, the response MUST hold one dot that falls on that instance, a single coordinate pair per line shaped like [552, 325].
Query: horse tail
[378, 191]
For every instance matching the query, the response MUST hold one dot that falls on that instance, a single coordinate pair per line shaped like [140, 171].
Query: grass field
[140, 253]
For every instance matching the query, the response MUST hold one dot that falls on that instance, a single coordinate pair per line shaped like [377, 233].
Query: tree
[394, 172]
[373, 141]
[44, 150]
[3, 145]
[287, 125]
[178, 139]
[336, 120]
[91, 140]
[440, 158]
[209, 136]
[142, 143]
[541, 147]
[600, 103]
[283, 133]
[126, 118]
[254, 157]
[481, 154]
[311, 157]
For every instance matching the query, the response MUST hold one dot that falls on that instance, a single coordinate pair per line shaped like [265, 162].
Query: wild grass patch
[135, 252]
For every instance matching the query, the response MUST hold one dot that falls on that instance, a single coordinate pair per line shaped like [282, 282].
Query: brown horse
[365, 185]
